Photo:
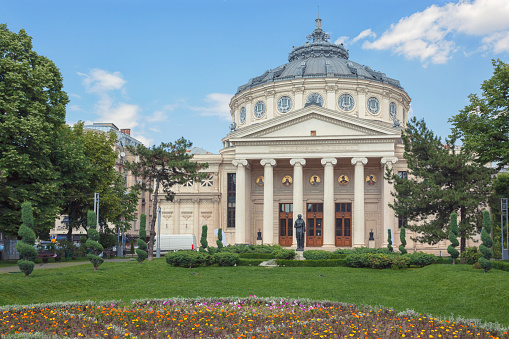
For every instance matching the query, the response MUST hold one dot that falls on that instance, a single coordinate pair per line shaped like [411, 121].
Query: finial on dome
[318, 21]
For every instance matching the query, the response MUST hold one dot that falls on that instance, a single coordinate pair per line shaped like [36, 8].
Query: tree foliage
[402, 238]
[453, 237]
[487, 243]
[165, 166]
[441, 179]
[483, 125]
[93, 245]
[203, 240]
[142, 245]
[32, 110]
[25, 246]
[389, 240]
[500, 190]
[219, 241]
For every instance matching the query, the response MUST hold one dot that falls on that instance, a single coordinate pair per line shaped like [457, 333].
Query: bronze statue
[300, 231]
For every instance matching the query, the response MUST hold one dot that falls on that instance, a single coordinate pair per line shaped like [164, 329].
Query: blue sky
[167, 69]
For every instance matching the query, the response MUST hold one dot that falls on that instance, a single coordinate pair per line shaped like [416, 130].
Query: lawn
[440, 290]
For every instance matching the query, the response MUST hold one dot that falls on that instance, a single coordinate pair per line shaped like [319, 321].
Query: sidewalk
[15, 269]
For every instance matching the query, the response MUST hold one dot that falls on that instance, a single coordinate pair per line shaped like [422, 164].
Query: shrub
[317, 254]
[142, 245]
[214, 250]
[453, 238]
[471, 255]
[226, 258]
[107, 239]
[131, 251]
[359, 250]
[487, 243]
[285, 254]
[422, 259]
[399, 261]
[93, 245]
[311, 263]
[249, 262]
[203, 241]
[265, 256]
[219, 241]
[252, 248]
[188, 259]
[501, 265]
[25, 246]
[389, 240]
[380, 261]
[402, 238]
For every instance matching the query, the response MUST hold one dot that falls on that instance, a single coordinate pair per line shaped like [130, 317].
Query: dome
[319, 58]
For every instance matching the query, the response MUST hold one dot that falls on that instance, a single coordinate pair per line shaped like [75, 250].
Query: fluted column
[358, 202]
[196, 217]
[176, 224]
[298, 191]
[328, 201]
[240, 201]
[268, 200]
[387, 163]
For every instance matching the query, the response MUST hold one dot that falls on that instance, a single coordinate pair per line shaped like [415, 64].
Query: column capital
[389, 160]
[332, 161]
[362, 161]
[301, 162]
[268, 162]
[240, 162]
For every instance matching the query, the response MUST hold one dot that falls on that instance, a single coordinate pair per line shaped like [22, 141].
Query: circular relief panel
[242, 115]
[259, 180]
[259, 109]
[346, 102]
[314, 99]
[371, 179]
[315, 180]
[287, 180]
[373, 105]
[343, 179]
[284, 104]
[392, 110]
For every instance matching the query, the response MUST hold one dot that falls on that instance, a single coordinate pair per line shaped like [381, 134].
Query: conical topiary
[453, 238]
[402, 238]
[389, 241]
[142, 245]
[25, 246]
[93, 245]
[487, 243]
[203, 241]
[219, 241]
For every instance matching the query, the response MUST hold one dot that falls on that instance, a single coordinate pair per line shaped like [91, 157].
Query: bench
[45, 256]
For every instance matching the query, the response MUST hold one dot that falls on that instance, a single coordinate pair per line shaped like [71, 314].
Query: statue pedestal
[259, 242]
[299, 255]
[371, 244]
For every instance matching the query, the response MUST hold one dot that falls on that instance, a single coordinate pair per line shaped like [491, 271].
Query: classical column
[268, 200]
[196, 218]
[298, 190]
[358, 202]
[328, 201]
[387, 163]
[240, 201]
[176, 225]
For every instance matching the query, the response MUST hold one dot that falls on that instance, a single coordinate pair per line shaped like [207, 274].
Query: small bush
[188, 259]
[252, 248]
[226, 258]
[501, 265]
[359, 250]
[471, 255]
[311, 263]
[317, 255]
[422, 259]
[285, 254]
[213, 250]
[266, 256]
[400, 261]
[250, 262]
[443, 260]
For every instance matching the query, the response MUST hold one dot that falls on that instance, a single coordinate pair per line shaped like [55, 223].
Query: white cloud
[74, 108]
[144, 140]
[218, 104]
[426, 35]
[367, 33]
[157, 116]
[341, 40]
[100, 81]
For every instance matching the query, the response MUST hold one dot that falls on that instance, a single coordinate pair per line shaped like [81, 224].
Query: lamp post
[158, 241]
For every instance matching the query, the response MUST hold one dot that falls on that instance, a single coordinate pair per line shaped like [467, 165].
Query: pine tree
[92, 243]
[219, 241]
[487, 243]
[131, 252]
[453, 235]
[142, 245]
[389, 241]
[26, 245]
[203, 240]
[402, 238]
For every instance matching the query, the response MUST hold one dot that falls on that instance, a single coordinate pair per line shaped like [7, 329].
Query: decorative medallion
[343, 179]
[392, 110]
[346, 102]
[287, 180]
[259, 109]
[373, 105]
[242, 115]
[314, 99]
[315, 180]
[259, 180]
[371, 179]
[284, 104]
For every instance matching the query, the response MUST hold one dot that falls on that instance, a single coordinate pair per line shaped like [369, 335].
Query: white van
[175, 242]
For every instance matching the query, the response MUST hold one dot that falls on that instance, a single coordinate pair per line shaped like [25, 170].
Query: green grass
[440, 290]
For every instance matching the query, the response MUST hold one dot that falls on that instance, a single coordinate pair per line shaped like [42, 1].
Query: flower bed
[231, 318]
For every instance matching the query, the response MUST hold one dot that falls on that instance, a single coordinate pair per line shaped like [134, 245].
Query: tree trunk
[69, 232]
[153, 223]
[463, 242]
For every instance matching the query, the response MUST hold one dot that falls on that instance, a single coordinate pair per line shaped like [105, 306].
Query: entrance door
[314, 227]
[343, 225]
[285, 225]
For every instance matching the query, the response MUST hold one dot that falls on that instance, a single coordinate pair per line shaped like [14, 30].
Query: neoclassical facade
[312, 137]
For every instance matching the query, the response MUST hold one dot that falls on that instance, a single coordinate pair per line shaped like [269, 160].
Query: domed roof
[319, 58]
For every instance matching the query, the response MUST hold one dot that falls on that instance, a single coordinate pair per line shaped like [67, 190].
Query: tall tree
[32, 109]
[165, 166]
[441, 179]
[500, 190]
[483, 125]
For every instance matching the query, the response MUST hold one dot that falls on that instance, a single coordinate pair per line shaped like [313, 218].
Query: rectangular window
[402, 174]
[231, 192]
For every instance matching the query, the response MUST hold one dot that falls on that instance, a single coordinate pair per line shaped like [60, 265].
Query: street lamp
[158, 241]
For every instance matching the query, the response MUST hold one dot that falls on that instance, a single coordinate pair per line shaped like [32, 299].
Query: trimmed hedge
[381, 261]
[188, 259]
[317, 255]
[311, 263]
[257, 255]
[501, 265]
[422, 259]
[285, 254]
[250, 262]
[252, 248]
[226, 258]
[359, 250]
